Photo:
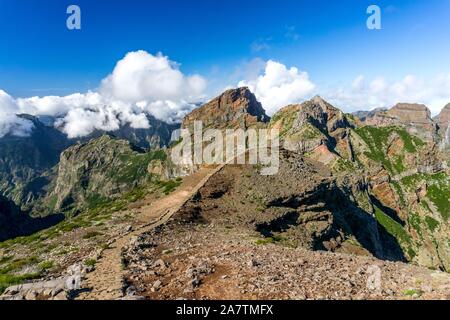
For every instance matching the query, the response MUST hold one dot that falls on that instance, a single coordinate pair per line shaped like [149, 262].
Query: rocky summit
[235, 108]
[355, 195]
[416, 118]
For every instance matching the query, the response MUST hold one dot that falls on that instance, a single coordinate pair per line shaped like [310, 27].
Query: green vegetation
[377, 139]
[169, 186]
[396, 230]
[91, 234]
[412, 292]
[46, 265]
[343, 165]
[18, 264]
[431, 223]
[135, 165]
[90, 262]
[415, 222]
[269, 240]
[94, 200]
[287, 116]
[10, 266]
[7, 280]
[438, 190]
[399, 191]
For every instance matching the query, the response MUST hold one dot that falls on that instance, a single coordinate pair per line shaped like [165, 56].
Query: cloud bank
[279, 86]
[365, 94]
[9, 121]
[140, 84]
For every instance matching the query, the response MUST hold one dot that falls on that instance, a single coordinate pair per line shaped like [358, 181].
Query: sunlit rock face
[415, 118]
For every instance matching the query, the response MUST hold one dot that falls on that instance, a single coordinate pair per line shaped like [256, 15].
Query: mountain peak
[411, 111]
[233, 108]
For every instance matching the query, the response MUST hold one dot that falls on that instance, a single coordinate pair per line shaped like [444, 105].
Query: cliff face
[415, 118]
[314, 127]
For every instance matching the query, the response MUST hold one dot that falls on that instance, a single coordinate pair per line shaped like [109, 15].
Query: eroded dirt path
[106, 281]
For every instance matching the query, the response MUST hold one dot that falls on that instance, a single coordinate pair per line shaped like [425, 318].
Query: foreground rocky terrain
[355, 200]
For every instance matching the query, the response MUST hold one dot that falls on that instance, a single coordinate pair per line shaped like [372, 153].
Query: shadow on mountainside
[320, 217]
[390, 212]
[366, 229]
[338, 215]
[16, 223]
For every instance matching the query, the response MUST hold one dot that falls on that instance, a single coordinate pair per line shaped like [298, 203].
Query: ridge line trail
[106, 279]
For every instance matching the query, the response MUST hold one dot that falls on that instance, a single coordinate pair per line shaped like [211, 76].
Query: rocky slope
[313, 126]
[209, 260]
[235, 108]
[99, 170]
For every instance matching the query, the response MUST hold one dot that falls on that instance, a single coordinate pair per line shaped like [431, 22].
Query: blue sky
[218, 40]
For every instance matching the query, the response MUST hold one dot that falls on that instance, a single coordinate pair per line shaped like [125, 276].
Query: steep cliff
[97, 171]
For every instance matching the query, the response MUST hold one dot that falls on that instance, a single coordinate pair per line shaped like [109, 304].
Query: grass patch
[135, 165]
[169, 186]
[269, 240]
[46, 265]
[412, 292]
[415, 222]
[431, 223]
[376, 140]
[18, 264]
[7, 280]
[396, 230]
[438, 189]
[91, 234]
[90, 262]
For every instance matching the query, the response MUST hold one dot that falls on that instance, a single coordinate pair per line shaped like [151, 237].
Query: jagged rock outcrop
[378, 160]
[235, 108]
[314, 126]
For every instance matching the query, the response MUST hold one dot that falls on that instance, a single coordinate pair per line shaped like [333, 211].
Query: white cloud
[363, 94]
[279, 86]
[140, 84]
[9, 121]
[56, 105]
[141, 76]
